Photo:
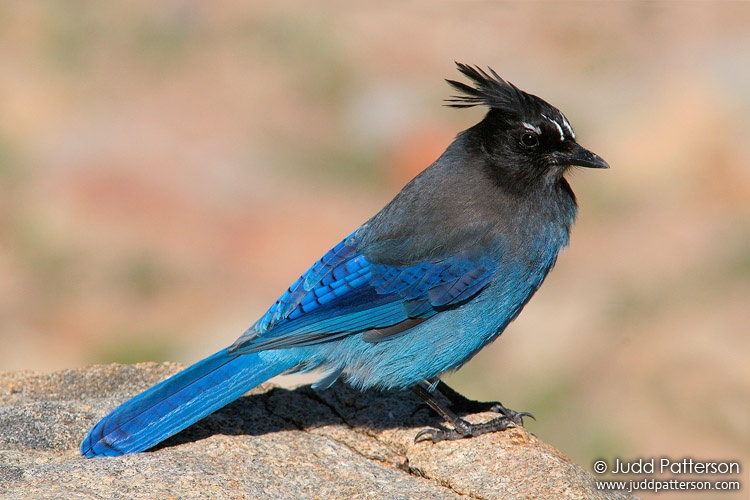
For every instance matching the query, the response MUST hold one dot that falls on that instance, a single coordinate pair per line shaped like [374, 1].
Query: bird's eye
[529, 140]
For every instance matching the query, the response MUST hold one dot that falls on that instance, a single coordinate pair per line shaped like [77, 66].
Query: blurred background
[167, 169]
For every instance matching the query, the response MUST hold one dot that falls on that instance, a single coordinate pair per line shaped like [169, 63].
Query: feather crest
[489, 90]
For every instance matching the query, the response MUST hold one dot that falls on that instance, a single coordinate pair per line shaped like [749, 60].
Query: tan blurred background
[167, 169]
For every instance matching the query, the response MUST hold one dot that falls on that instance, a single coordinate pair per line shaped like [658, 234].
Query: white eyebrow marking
[533, 128]
[557, 126]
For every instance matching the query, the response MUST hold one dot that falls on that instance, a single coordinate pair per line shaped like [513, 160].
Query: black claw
[437, 435]
[514, 416]
[427, 434]
[526, 414]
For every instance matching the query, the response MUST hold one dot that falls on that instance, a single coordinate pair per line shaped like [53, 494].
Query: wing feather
[344, 293]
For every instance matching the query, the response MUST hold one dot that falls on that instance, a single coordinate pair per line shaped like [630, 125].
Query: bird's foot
[462, 429]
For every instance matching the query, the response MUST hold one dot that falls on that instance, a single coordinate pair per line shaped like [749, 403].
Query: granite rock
[272, 443]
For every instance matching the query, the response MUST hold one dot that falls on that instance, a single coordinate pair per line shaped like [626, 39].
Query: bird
[415, 291]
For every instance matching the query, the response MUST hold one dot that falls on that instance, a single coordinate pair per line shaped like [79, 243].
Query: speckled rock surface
[273, 443]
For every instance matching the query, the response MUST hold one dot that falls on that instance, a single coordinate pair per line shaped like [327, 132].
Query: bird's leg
[462, 404]
[462, 428]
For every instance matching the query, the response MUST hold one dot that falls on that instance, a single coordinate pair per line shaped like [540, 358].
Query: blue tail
[178, 402]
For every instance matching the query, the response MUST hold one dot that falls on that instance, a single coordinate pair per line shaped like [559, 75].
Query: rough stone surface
[274, 443]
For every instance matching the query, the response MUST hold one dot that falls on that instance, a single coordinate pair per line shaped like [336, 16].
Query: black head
[527, 141]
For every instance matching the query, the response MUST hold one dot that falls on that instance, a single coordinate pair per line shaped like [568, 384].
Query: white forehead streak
[567, 126]
[557, 126]
[532, 127]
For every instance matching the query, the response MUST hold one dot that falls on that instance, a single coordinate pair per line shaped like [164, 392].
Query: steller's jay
[415, 291]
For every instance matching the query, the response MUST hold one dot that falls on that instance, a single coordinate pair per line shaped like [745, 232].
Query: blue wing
[344, 293]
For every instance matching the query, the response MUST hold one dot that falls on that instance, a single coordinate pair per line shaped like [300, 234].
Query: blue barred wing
[344, 293]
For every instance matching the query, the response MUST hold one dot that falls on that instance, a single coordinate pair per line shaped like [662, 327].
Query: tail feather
[178, 402]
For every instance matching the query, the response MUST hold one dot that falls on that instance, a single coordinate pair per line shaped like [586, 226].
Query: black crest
[490, 90]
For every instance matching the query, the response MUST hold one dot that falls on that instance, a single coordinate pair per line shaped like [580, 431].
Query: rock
[273, 443]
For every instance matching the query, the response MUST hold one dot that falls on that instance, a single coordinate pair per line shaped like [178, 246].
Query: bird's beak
[582, 157]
